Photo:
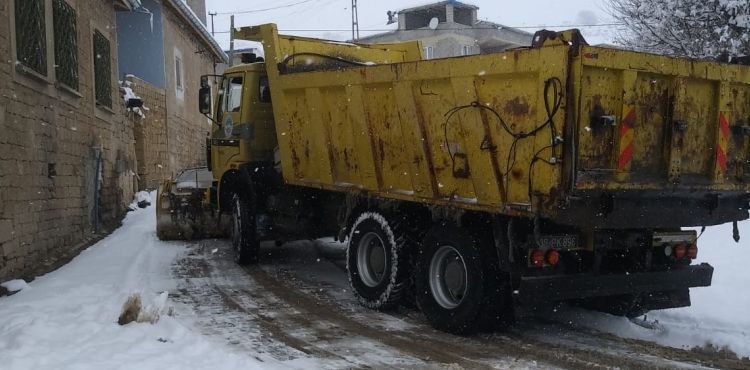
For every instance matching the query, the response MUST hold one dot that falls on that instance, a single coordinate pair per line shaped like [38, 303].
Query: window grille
[66, 49]
[31, 41]
[102, 70]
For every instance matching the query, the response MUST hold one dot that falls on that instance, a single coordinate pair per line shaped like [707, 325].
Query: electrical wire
[551, 108]
[263, 10]
[539, 27]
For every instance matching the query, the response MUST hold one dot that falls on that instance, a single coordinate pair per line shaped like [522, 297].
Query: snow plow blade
[183, 208]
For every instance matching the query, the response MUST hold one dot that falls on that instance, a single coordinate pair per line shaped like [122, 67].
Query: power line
[263, 10]
[447, 29]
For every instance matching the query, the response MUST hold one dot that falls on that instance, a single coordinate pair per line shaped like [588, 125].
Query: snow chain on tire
[454, 281]
[244, 238]
[383, 286]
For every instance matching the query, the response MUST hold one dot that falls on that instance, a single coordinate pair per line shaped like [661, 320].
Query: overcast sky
[332, 18]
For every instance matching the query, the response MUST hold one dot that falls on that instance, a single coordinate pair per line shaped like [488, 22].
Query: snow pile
[127, 93]
[68, 318]
[133, 309]
[14, 285]
[142, 199]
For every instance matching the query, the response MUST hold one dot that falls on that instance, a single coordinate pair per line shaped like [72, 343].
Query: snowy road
[299, 303]
[294, 310]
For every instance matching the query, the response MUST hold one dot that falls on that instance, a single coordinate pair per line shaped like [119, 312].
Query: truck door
[225, 138]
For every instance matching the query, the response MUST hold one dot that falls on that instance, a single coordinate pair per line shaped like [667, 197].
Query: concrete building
[451, 28]
[66, 147]
[164, 49]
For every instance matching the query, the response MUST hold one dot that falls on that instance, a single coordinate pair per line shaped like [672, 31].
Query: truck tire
[377, 262]
[452, 286]
[244, 238]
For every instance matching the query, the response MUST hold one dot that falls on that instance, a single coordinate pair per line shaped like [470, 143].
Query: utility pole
[355, 21]
[231, 40]
[212, 22]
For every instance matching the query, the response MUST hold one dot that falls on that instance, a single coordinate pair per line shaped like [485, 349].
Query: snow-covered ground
[718, 315]
[67, 319]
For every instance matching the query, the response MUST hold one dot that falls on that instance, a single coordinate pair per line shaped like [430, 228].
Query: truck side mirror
[204, 100]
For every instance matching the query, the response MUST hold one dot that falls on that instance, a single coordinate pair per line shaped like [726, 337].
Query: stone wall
[173, 134]
[150, 131]
[187, 127]
[52, 140]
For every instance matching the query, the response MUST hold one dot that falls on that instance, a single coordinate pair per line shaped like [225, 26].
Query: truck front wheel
[244, 238]
[376, 261]
[451, 286]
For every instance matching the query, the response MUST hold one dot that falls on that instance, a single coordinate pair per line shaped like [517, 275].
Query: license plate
[558, 241]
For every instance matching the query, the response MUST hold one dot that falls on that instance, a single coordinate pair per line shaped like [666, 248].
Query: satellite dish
[434, 23]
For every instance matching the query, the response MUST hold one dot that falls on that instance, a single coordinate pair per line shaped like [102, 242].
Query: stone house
[164, 48]
[70, 151]
[66, 148]
[451, 28]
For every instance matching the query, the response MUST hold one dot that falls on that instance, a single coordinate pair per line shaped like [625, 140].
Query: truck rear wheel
[244, 238]
[376, 261]
[452, 286]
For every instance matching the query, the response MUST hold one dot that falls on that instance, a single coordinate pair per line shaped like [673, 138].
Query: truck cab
[243, 129]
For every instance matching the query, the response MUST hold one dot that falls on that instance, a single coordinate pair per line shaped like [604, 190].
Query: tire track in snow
[268, 325]
[563, 347]
[235, 290]
[323, 312]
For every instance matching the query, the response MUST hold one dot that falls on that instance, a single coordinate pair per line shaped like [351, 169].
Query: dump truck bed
[578, 134]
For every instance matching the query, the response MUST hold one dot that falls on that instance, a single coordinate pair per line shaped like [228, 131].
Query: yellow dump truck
[482, 185]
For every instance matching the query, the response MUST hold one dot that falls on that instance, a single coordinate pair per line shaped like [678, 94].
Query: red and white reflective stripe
[721, 149]
[626, 140]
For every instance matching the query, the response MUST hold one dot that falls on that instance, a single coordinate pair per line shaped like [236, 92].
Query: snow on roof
[456, 4]
[195, 22]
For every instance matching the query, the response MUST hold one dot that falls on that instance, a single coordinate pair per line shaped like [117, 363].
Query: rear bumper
[539, 289]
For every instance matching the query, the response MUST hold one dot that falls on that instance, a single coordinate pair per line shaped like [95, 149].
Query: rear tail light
[552, 257]
[679, 251]
[692, 251]
[537, 258]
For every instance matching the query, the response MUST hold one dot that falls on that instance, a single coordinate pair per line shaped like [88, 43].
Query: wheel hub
[371, 259]
[448, 277]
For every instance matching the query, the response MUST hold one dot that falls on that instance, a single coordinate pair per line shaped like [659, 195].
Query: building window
[178, 72]
[428, 52]
[466, 50]
[102, 70]
[66, 56]
[31, 41]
